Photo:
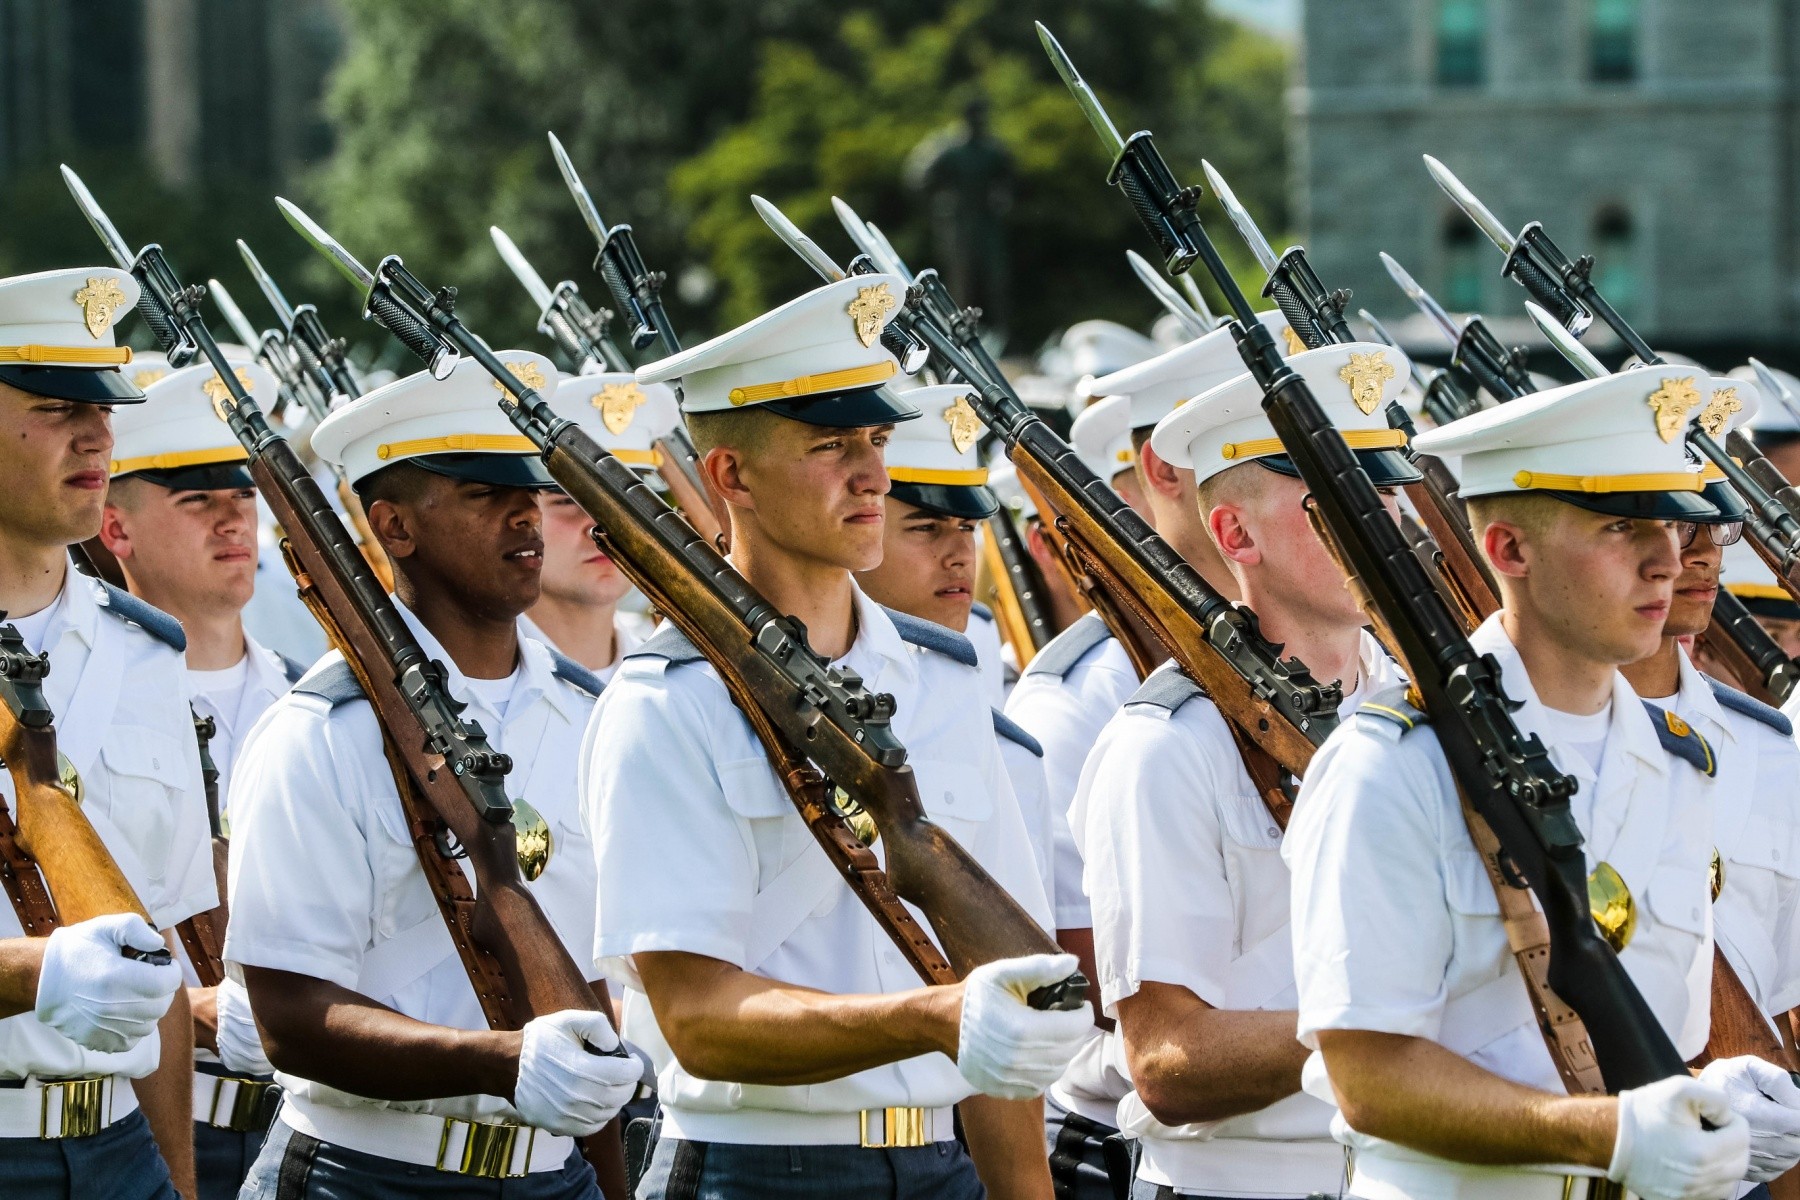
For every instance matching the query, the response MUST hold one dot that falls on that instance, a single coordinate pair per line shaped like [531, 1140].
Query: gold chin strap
[67, 356]
[975, 478]
[494, 443]
[1356, 439]
[812, 385]
[1595, 485]
[183, 458]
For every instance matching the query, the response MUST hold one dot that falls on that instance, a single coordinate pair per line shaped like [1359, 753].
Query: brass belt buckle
[249, 1113]
[900, 1128]
[83, 1104]
[488, 1150]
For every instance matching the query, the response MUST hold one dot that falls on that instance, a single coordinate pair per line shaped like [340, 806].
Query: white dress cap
[1101, 436]
[1730, 404]
[1745, 575]
[623, 415]
[179, 437]
[818, 359]
[1774, 416]
[1157, 385]
[1616, 444]
[146, 367]
[934, 462]
[56, 334]
[1102, 347]
[453, 426]
[1353, 382]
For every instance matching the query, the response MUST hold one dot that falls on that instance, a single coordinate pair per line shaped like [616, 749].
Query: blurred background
[1659, 135]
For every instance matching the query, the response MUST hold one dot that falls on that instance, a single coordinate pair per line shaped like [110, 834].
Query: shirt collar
[534, 664]
[81, 601]
[1695, 701]
[877, 638]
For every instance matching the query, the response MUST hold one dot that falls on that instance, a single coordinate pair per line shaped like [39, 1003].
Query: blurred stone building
[1658, 135]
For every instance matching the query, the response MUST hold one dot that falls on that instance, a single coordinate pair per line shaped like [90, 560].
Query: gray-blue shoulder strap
[1012, 731]
[1392, 705]
[931, 636]
[1167, 689]
[153, 621]
[573, 673]
[1069, 647]
[668, 643]
[1682, 740]
[1750, 706]
[293, 670]
[981, 610]
[334, 682]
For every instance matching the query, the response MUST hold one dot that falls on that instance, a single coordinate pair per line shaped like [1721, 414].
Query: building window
[1463, 246]
[1615, 259]
[1461, 34]
[1612, 40]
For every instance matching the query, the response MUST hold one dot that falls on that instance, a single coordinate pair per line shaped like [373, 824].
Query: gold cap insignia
[526, 373]
[99, 300]
[1295, 343]
[871, 304]
[1671, 403]
[618, 403]
[1717, 413]
[148, 376]
[1365, 374]
[220, 395]
[965, 426]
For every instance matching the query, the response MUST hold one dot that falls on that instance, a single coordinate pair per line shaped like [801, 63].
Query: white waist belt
[234, 1102]
[1379, 1177]
[875, 1128]
[1243, 1166]
[489, 1151]
[65, 1108]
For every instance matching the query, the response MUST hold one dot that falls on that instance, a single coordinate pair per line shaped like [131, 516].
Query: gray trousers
[118, 1163]
[293, 1166]
[721, 1171]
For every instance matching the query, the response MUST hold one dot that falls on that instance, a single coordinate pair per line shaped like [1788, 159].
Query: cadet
[1745, 575]
[937, 493]
[181, 522]
[78, 1061]
[1183, 856]
[797, 1054]
[394, 1083]
[1407, 986]
[1101, 435]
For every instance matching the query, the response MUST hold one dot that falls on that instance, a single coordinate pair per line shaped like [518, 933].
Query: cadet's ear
[723, 468]
[112, 532]
[1158, 475]
[1235, 541]
[1503, 543]
[388, 522]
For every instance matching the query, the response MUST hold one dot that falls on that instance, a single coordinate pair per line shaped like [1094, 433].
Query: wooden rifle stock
[1014, 589]
[203, 934]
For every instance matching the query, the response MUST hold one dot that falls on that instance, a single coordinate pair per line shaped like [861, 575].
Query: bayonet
[1191, 322]
[521, 268]
[1771, 383]
[234, 316]
[325, 244]
[858, 229]
[1473, 346]
[1466, 200]
[158, 288]
[1315, 315]
[1084, 95]
[583, 202]
[798, 242]
[1198, 300]
[1426, 302]
[1240, 219]
[96, 216]
[892, 255]
[284, 312]
[1579, 356]
[636, 289]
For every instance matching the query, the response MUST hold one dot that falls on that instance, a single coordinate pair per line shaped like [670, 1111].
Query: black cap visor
[1385, 468]
[859, 409]
[973, 503]
[1785, 608]
[1645, 506]
[90, 385]
[497, 470]
[1722, 496]
[213, 477]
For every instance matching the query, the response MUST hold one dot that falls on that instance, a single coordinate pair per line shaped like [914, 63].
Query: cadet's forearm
[328, 1033]
[167, 1094]
[1006, 1141]
[20, 960]
[203, 1003]
[1192, 1062]
[1418, 1094]
[727, 1024]
[1080, 943]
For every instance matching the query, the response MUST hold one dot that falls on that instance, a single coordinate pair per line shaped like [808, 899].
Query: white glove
[1663, 1153]
[1765, 1096]
[240, 1046]
[89, 992]
[1006, 1048]
[564, 1087]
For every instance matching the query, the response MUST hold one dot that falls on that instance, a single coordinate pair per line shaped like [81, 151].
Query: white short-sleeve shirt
[1184, 871]
[700, 850]
[1396, 927]
[120, 698]
[1065, 712]
[266, 680]
[324, 877]
[984, 634]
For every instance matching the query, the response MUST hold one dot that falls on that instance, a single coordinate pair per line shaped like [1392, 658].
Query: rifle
[1317, 318]
[1443, 396]
[451, 782]
[1017, 590]
[802, 710]
[580, 332]
[1507, 778]
[273, 351]
[1277, 711]
[203, 934]
[1473, 346]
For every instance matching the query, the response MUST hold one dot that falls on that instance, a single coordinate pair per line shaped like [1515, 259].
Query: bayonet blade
[1084, 95]
[577, 189]
[858, 230]
[1240, 217]
[1198, 299]
[1478, 212]
[1427, 303]
[1771, 383]
[895, 263]
[90, 208]
[1159, 287]
[327, 245]
[234, 316]
[521, 268]
[798, 242]
[283, 310]
[1578, 355]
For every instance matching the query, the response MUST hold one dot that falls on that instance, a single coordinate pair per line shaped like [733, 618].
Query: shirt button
[1274, 832]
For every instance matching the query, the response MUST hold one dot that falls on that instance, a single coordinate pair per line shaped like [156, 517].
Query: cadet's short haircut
[1531, 512]
[126, 492]
[1233, 485]
[402, 483]
[745, 429]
